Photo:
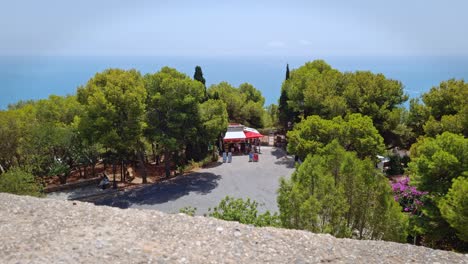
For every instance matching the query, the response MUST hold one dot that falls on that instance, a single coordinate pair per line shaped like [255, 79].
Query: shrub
[188, 210]
[410, 199]
[18, 181]
[244, 212]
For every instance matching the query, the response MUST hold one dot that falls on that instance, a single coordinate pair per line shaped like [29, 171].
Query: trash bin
[224, 157]
[229, 157]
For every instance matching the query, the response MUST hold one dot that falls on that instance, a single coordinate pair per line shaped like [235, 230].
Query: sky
[234, 28]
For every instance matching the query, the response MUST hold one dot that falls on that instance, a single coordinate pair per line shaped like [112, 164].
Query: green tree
[20, 104]
[285, 114]
[10, 139]
[271, 116]
[435, 162]
[443, 109]
[16, 126]
[198, 75]
[376, 96]
[355, 133]
[417, 116]
[52, 138]
[173, 111]
[253, 114]
[449, 98]
[36, 135]
[58, 110]
[233, 99]
[317, 89]
[18, 181]
[335, 192]
[454, 207]
[244, 104]
[287, 72]
[310, 86]
[244, 212]
[251, 93]
[438, 160]
[114, 103]
[214, 119]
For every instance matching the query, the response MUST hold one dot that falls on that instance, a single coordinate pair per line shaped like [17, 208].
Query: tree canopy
[335, 192]
[436, 165]
[448, 109]
[317, 89]
[354, 132]
[454, 207]
[244, 104]
[439, 160]
[177, 118]
[115, 105]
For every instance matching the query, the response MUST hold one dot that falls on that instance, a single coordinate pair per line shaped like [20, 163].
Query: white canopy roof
[234, 135]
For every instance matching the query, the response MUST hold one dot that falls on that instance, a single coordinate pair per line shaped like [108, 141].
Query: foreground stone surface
[50, 231]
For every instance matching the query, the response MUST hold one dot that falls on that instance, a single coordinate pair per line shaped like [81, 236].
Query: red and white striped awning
[252, 133]
[237, 133]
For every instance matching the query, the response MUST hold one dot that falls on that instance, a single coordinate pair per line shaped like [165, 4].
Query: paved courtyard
[207, 187]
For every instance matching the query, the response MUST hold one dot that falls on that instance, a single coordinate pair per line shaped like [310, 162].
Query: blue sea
[36, 77]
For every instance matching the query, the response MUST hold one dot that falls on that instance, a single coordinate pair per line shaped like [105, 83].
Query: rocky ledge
[36, 230]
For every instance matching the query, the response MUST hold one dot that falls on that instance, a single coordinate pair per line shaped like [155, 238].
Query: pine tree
[287, 72]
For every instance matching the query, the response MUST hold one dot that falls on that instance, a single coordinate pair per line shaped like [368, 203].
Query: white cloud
[276, 44]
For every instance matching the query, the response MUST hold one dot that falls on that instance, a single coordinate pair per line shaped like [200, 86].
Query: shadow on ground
[278, 153]
[213, 165]
[288, 162]
[202, 183]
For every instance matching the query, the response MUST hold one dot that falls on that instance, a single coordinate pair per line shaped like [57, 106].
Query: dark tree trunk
[113, 172]
[80, 171]
[122, 173]
[93, 169]
[142, 162]
[154, 152]
[167, 163]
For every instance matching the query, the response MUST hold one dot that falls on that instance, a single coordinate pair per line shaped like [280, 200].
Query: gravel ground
[86, 191]
[36, 230]
[207, 187]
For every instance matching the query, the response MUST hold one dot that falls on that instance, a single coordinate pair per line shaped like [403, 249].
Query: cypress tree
[198, 76]
[283, 113]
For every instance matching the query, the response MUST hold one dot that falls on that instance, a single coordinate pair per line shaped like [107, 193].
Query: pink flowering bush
[410, 199]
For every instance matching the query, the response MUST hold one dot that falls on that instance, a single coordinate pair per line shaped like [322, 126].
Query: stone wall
[34, 230]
